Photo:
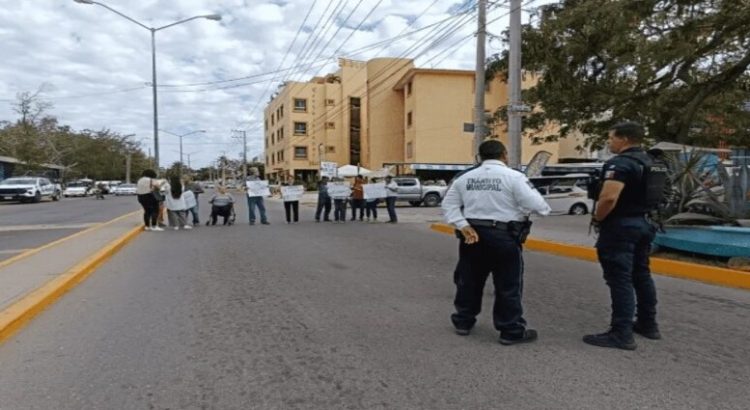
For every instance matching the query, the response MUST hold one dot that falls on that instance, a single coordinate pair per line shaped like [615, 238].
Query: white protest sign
[292, 193]
[258, 188]
[328, 169]
[375, 191]
[339, 190]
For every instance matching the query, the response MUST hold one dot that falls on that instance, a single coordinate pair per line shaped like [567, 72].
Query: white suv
[28, 189]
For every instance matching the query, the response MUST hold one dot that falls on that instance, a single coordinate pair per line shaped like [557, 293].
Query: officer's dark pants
[623, 247]
[339, 212]
[499, 254]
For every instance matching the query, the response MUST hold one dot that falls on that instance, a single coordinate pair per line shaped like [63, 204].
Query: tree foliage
[37, 138]
[680, 67]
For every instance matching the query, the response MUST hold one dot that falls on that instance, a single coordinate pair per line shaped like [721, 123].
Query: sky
[95, 66]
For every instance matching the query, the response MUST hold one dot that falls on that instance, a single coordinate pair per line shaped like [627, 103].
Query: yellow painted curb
[18, 314]
[684, 270]
[33, 251]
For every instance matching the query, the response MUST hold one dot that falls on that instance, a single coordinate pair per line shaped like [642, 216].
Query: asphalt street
[356, 316]
[26, 226]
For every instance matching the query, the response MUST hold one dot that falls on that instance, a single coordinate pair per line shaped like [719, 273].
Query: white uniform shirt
[492, 192]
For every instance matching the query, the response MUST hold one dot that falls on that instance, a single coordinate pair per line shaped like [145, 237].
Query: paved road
[25, 226]
[355, 316]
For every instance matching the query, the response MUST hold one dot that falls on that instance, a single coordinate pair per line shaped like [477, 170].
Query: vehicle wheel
[415, 203]
[578, 209]
[431, 200]
[37, 197]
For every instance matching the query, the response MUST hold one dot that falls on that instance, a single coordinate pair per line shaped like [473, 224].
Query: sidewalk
[22, 277]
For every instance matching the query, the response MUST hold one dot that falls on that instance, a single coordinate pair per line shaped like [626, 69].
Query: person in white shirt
[489, 205]
[175, 200]
[391, 189]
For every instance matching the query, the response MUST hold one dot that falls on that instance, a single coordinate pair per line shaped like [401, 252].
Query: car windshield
[76, 185]
[18, 181]
[126, 186]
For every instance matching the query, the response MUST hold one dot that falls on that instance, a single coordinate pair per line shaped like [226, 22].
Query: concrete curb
[33, 251]
[24, 310]
[683, 270]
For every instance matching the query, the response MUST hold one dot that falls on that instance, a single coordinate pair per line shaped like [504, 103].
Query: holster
[519, 230]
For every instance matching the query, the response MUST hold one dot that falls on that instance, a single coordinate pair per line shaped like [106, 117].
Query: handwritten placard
[375, 191]
[339, 190]
[258, 188]
[292, 193]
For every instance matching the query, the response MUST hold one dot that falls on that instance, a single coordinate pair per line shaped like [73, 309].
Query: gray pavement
[355, 316]
[26, 226]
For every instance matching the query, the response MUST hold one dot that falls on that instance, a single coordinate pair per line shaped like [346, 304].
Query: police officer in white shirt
[489, 205]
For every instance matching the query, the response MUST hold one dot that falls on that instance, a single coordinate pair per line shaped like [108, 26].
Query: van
[565, 194]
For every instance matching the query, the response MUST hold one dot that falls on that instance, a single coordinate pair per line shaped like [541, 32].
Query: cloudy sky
[95, 66]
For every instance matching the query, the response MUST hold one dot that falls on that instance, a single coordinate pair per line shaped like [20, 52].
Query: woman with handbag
[147, 188]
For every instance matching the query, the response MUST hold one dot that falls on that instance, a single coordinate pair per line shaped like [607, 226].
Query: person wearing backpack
[632, 188]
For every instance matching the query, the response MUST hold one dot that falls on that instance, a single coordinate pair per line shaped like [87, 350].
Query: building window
[330, 125]
[281, 111]
[408, 88]
[300, 128]
[281, 133]
[265, 124]
[355, 132]
[266, 141]
[330, 149]
[272, 121]
[468, 127]
[300, 152]
[409, 150]
[409, 119]
[273, 138]
[330, 102]
[300, 105]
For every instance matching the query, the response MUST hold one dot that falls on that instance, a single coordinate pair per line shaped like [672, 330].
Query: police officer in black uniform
[489, 205]
[625, 236]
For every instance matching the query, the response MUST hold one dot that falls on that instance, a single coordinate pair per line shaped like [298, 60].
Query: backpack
[654, 178]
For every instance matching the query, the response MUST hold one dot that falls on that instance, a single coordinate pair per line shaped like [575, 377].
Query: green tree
[680, 67]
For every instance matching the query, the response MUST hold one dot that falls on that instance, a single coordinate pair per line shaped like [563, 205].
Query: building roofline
[409, 75]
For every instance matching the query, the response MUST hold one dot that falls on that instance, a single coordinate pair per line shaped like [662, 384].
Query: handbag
[157, 194]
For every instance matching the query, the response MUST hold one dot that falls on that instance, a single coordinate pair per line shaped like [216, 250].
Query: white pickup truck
[412, 190]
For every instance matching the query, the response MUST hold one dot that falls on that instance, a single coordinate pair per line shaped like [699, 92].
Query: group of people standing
[366, 208]
[179, 198]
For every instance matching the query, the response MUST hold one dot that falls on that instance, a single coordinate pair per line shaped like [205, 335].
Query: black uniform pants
[339, 212]
[500, 254]
[623, 247]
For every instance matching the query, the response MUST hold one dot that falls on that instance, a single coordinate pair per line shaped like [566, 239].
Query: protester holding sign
[324, 201]
[358, 198]
[390, 201]
[291, 195]
[339, 191]
[373, 192]
[256, 190]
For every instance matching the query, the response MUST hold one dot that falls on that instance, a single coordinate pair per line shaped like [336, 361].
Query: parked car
[123, 189]
[77, 189]
[565, 194]
[412, 190]
[28, 189]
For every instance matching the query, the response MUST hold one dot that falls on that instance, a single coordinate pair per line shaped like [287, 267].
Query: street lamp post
[153, 30]
[180, 137]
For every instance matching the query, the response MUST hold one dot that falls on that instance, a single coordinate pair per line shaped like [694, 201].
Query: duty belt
[488, 223]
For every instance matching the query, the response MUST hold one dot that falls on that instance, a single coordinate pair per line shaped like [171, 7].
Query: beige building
[382, 111]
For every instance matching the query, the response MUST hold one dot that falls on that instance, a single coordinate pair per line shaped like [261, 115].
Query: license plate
[7, 198]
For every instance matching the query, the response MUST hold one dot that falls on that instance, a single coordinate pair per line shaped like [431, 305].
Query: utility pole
[515, 105]
[479, 77]
[128, 159]
[244, 152]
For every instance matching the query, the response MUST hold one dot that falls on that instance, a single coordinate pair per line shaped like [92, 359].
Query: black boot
[528, 335]
[647, 331]
[611, 339]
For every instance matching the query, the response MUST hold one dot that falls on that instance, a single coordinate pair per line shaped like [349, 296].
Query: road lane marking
[667, 267]
[7, 251]
[33, 251]
[46, 227]
[24, 310]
